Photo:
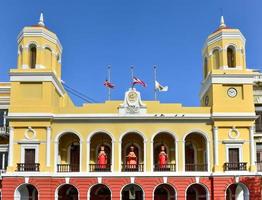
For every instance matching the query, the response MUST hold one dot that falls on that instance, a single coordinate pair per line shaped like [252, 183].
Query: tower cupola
[224, 50]
[39, 49]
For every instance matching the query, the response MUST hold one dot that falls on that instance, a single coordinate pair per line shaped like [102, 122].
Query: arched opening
[26, 192]
[237, 191]
[196, 192]
[205, 67]
[20, 56]
[195, 152]
[48, 57]
[68, 153]
[100, 192]
[164, 152]
[132, 192]
[67, 192]
[164, 192]
[32, 56]
[231, 56]
[100, 152]
[216, 63]
[132, 152]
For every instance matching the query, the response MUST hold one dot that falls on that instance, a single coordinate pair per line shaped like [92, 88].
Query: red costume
[162, 158]
[131, 159]
[102, 158]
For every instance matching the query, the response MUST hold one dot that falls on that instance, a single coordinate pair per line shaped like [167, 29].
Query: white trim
[17, 197]
[11, 143]
[252, 144]
[38, 77]
[90, 189]
[203, 185]
[144, 194]
[244, 187]
[216, 153]
[61, 185]
[235, 146]
[48, 146]
[29, 146]
[172, 186]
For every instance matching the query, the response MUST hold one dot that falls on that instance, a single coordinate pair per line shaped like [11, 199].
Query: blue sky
[143, 33]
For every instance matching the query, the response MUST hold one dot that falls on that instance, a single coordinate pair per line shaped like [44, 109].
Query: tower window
[205, 67]
[216, 62]
[32, 56]
[231, 57]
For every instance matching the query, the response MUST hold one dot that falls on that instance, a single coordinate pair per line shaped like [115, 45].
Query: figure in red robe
[102, 158]
[162, 158]
[131, 159]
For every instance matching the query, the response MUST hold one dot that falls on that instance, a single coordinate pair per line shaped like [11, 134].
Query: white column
[252, 145]
[120, 156]
[88, 149]
[48, 145]
[215, 149]
[145, 161]
[80, 156]
[152, 155]
[11, 144]
[113, 156]
[176, 149]
[56, 156]
[3, 161]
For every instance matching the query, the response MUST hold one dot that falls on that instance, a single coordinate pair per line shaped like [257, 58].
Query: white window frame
[235, 146]
[3, 149]
[29, 146]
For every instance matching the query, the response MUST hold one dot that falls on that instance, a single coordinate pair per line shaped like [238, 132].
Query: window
[205, 67]
[29, 156]
[32, 56]
[3, 160]
[231, 60]
[216, 63]
[233, 155]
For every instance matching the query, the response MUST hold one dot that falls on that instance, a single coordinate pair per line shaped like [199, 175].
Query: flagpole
[132, 75]
[155, 91]
[109, 80]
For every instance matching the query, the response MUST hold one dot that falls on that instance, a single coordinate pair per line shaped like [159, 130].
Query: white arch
[153, 194]
[203, 185]
[61, 185]
[90, 188]
[32, 42]
[216, 48]
[57, 138]
[202, 133]
[120, 144]
[152, 146]
[97, 131]
[17, 193]
[243, 186]
[88, 141]
[144, 195]
[233, 45]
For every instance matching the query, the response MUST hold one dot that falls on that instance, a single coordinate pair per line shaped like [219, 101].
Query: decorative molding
[231, 133]
[30, 130]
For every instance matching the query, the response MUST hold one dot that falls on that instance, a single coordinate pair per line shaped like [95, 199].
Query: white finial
[41, 20]
[222, 22]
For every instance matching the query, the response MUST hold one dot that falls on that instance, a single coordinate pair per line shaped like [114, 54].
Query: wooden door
[29, 156]
[234, 155]
[74, 158]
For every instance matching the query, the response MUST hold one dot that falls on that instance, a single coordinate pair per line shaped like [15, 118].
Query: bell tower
[227, 83]
[36, 82]
[39, 49]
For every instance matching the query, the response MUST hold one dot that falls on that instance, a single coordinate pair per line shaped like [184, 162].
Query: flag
[138, 81]
[160, 88]
[108, 84]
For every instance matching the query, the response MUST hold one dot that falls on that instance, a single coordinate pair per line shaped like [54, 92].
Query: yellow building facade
[55, 147]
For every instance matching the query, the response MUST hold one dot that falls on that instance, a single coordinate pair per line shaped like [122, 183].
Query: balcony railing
[67, 168]
[196, 167]
[259, 166]
[166, 167]
[100, 167]
[241, 166]
[132, 167]
[27, 167]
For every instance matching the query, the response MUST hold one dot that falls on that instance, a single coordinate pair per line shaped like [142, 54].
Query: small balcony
[67, 168]
[259, 166]
[100, 167]
[165, 168]
[196, 167]
[28, 167]
[240, 166]
[132, 167]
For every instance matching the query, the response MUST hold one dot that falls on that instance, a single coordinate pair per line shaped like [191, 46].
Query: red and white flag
[138, 81]
[108, 84]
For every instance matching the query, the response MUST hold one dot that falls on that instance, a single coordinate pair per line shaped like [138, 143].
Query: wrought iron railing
[4, 130]
[132, 167]
[240, 166]
[30, 167]
[100, 167]
[259, 166]
[165, 167]
[196, 167]
[67, 168]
